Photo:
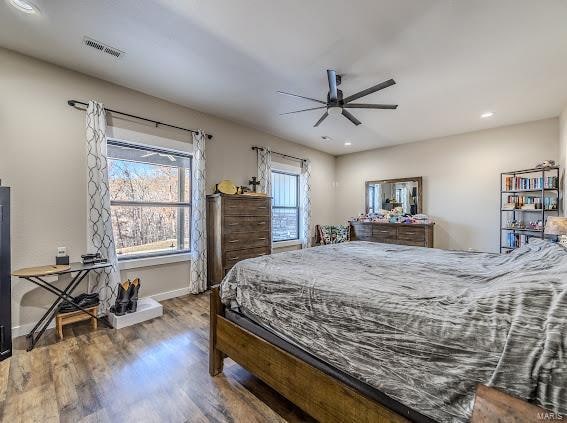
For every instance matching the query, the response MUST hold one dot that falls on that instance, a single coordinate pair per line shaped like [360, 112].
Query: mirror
[391, 193]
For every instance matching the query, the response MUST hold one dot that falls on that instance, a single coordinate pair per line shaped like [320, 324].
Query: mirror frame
[417, 179]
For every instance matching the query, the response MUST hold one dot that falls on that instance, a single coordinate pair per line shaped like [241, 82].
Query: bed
[412, 329]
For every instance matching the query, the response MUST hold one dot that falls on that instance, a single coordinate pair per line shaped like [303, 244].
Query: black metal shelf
[540, 193]
[534, 170]
[530, 210]
[521, 191]
[521, 229]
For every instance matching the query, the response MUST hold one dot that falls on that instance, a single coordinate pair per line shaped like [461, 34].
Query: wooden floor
[156, 371]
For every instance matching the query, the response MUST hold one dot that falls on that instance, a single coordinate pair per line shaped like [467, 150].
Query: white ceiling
[452, 59]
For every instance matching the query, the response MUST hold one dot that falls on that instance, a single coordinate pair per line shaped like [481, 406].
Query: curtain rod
[74, 103]
[281, 154]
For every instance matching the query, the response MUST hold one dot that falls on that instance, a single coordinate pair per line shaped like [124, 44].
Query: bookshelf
[527, 197]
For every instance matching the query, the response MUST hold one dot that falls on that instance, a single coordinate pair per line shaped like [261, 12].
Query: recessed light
[487, 115]
[24, 6]
[348, 143]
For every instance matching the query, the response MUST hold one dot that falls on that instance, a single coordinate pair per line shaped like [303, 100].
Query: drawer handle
[234, 240]
[233, 224]
[261, 239]
[410, 233]
[234, 258]
[262, 207]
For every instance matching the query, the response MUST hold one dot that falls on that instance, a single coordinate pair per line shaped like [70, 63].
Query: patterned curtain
[265, 170]
[306, 203]
[198, 278]
[99, 224]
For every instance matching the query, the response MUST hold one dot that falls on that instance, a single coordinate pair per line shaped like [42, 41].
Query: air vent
[114, 52]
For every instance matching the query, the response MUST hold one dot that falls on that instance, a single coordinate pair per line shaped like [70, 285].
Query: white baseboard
[170, 294]
[25, 328]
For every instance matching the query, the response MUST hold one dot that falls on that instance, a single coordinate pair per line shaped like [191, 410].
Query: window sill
[153, 261]
[290, 243]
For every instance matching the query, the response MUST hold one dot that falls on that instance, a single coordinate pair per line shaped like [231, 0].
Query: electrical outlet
[61, 251]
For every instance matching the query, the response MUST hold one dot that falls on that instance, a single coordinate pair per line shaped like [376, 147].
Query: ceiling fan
[336, 104]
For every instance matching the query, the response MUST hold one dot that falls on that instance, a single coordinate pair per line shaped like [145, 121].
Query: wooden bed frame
[322, 396]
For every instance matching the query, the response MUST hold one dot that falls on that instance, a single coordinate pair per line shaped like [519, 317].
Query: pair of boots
[126, 298]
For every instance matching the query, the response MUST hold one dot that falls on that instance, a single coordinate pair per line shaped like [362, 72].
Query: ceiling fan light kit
[336, 104]
[334, 110]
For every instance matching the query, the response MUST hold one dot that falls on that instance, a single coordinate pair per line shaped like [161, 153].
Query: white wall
[460, 177]
[42, 157]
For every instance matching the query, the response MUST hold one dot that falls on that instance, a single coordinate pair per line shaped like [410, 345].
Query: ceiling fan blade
[300, 96]
[321, 120]
[351, 117]
[370, 106]
[370, 90]
[303, 110]
[332, 77]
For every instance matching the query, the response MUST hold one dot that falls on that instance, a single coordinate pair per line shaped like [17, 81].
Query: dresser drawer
[408, 233]
[412, 243]
[244, 240]
[246, 224]
[233, 257]
[379, 231]
[362, 231]
[246, 207]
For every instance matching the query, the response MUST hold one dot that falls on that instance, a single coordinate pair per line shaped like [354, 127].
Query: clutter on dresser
[226, 186]
[254, 182]
[395, 215]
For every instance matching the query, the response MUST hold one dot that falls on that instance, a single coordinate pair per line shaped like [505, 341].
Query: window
[150, 192]
[285, 206]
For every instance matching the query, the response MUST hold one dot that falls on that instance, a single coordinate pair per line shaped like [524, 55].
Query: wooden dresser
[238, 227]
[417, 234]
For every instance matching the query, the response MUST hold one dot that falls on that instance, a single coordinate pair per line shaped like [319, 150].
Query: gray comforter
[422, 325]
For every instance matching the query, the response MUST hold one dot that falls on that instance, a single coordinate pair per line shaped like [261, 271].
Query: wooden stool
[63, 319]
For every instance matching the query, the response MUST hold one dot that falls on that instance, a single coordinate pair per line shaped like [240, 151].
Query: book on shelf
[517, 183]
[531, 202]
[516, 240]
